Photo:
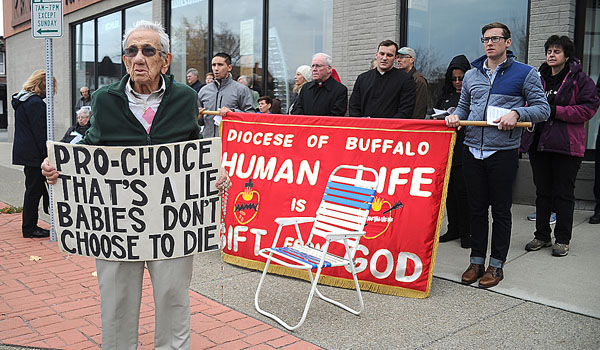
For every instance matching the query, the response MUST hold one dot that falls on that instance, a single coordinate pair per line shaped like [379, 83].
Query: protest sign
[137, 203]
[279, 167]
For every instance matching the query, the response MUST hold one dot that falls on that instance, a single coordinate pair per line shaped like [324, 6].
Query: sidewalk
[543, 302]
[49, 299]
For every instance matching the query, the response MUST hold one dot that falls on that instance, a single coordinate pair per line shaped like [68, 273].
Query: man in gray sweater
[223, 94]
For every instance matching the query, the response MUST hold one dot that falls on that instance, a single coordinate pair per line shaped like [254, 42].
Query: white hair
[157, 27]
[247, 79]
[328, 59]
[86, 112]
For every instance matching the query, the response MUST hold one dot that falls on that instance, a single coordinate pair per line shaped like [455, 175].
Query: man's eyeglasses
[317, 66]
[147, 51]
[456, 79]
[404, 56]
[494, 39]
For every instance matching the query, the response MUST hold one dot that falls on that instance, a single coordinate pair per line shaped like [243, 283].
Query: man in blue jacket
[496, 90]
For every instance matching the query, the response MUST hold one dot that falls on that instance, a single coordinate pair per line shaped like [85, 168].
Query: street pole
[50, 123]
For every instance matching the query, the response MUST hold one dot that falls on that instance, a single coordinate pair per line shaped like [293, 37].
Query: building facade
[268, 40]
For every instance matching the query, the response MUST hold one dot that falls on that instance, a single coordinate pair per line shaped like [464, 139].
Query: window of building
[109, 49]
[587, 40]
[97, 47]
[2, 66]
[239, 33]
[438, 30]
[294, 31]
[189, 38]
[84, 72]
[297, 30]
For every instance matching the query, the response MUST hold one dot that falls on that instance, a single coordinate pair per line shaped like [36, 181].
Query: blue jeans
[490, 182]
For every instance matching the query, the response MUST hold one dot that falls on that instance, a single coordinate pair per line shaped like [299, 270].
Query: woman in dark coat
[456, 201]
[29, 148]
[556, 147]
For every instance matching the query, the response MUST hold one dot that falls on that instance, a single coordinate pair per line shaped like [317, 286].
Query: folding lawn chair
[340, 220]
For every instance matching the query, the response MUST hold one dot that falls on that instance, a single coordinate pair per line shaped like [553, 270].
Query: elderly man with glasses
[406, 62]
[324, 95]
[145, 108]
[501, 91]
[85, 100]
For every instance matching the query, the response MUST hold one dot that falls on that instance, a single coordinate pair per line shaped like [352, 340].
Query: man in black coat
[324, 95]
[85, 100]
[384, 92]
[192, 79]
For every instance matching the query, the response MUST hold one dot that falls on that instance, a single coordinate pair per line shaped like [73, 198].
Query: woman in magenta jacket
[556, 147]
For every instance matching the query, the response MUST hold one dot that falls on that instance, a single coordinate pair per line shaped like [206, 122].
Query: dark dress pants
[554, 176]
[457, 204]
[490, 184]
[35, 189]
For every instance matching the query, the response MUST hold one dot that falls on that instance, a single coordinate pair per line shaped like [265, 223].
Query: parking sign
[46, 18]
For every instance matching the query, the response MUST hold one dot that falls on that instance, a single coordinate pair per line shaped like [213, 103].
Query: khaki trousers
[120, 299]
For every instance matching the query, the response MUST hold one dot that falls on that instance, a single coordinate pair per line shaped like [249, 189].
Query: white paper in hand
[494, 113]
[77, 137]
[217, 120]
[439, 113]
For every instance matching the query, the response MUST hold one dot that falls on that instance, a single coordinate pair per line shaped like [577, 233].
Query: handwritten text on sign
[137, 203]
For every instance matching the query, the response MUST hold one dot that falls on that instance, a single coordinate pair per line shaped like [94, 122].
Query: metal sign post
[50, 124]
[46, 23]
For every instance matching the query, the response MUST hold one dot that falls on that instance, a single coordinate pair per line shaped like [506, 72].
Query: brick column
[548, 17]
[358, 26]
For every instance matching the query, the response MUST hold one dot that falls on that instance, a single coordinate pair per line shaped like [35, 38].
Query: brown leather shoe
[491, 277]
[474, 271]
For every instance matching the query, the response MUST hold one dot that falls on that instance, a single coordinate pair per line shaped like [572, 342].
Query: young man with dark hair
[497, 89]
[223, 94]
[385, 91]
[264, 104]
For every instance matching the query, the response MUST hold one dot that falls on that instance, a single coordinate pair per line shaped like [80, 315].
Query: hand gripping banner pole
[50, 122]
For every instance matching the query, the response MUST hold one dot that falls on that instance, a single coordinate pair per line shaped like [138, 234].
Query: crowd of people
[558, 104]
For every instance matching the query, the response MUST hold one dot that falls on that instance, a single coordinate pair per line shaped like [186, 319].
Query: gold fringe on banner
[438, 227]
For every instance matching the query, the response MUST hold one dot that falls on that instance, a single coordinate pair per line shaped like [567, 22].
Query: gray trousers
[121, 295]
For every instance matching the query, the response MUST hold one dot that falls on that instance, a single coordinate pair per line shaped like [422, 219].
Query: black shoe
[465, 242]
[595, 219]
[448, 236]
[38, 232]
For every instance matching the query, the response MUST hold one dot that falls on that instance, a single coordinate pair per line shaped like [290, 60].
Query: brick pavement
[49, 299]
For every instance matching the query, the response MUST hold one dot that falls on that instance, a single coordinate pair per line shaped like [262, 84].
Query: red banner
[279, 166]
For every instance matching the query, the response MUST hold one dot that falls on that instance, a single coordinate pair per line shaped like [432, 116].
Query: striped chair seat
[308, 256]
